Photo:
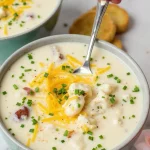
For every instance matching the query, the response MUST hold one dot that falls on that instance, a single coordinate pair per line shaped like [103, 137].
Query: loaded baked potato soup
[45, 106]
[18, 16]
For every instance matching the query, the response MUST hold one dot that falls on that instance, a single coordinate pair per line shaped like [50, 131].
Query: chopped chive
[98, 84]
[125, 87]
[112, 100]
[27, 70]
[39, 16]
[68, 67]
[118, 81]
[91, 59]
[37, 89]
[63, 67]
[64, 85]
[13, 134]
[51, 114]
[133, 116]
[110, 76]
[15, 87]
[132, 101]
[29, 103]
[22, 126]
[57, 129]
[99, 146]
[128, 73]
[136, 89]
[101, 137]
[79, 105]
[90, 133]
[66, 97]
[39, 118]
[104, 117]
[91, 138]
[4, 92]
[22, 67]
[13, 76]
[30, 56]
[46, 75]
[115, 78]
[34, 121]
[31, 130]
[62, 141]
[66, 133]
[18, 104]
[32, 62]
[124, 100]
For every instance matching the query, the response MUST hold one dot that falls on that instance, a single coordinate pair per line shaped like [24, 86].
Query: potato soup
[18, 16]
[45, 106]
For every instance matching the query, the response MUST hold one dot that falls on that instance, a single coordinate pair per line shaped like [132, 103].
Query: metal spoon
[101, 8]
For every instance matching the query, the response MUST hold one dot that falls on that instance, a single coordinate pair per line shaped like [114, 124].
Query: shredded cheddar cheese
[59, 79]
[103, 70]
[35, 133]
[28, 142]
[5, 30]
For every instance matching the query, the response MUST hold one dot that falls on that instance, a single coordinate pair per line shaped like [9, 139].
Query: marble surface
[136, 41]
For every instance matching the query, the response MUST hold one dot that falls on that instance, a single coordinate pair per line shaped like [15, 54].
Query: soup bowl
[9, 44]
[16, 145]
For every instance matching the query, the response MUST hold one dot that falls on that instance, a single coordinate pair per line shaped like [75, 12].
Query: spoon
[101, 8]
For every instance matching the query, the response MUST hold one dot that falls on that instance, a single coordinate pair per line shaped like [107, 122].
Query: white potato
[74, 107]
[85, 87]
[99, 105]
[86, 122]
[107, 88]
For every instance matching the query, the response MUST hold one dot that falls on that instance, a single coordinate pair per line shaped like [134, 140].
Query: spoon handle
[101, 8]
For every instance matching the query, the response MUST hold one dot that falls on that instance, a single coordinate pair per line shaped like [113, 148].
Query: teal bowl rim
[84, 39]
[34, 28]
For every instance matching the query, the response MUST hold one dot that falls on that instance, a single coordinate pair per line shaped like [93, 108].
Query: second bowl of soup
[21, 22]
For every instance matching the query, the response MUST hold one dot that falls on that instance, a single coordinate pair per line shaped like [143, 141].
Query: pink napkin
[143, 142]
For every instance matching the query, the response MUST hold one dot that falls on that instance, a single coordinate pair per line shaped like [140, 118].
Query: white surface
[136, 41]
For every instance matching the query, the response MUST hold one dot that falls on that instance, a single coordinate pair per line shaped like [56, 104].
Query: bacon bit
[29, 91]
[22, 112]
[61, 56]
[31, 16]
[70, 134]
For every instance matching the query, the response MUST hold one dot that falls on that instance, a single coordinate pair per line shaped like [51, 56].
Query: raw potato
[119, 16]
[83, 25]
[117, 43]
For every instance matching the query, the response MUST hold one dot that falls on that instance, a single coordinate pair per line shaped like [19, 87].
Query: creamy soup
[45, 106]
[17, 16]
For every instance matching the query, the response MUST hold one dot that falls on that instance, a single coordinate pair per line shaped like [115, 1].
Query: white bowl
[81, 39]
